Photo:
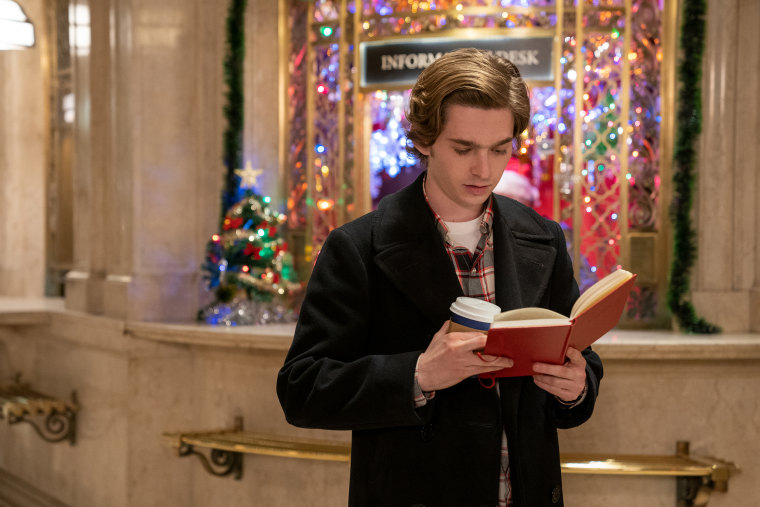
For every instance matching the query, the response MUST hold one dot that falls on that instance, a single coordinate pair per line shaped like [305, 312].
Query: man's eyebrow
[465, 142]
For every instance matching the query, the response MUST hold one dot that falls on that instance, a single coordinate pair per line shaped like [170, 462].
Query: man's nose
[480, 164]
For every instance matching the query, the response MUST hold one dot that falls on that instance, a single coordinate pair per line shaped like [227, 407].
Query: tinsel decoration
[689, 120]
[247, 313]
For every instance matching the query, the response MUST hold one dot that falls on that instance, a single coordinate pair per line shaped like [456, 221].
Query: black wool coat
[380, 289]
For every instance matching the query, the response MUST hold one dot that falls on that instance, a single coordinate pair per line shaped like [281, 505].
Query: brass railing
[697, 477]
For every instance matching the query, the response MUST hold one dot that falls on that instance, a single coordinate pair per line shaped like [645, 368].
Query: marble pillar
[148, 156]
[24, 136]
[262, 89]
[727, 274]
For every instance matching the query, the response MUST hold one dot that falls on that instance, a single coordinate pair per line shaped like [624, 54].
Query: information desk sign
[397, 63]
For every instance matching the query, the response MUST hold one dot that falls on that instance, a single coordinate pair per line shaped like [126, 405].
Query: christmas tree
[248, 263]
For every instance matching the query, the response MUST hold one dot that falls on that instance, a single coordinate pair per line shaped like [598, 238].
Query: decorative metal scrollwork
[19, 403]
[220, 462]
[58, 426]
[692, 491]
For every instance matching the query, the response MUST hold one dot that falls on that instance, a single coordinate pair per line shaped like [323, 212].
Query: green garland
[234, 106]
[689, 120]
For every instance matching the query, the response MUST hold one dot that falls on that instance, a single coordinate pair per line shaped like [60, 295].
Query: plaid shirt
[474, 269]
[475, 272]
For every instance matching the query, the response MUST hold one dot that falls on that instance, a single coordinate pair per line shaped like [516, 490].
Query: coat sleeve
[564, 293]
[329, 380]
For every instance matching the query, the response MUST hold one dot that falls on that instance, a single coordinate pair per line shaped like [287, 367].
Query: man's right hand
[451, 358]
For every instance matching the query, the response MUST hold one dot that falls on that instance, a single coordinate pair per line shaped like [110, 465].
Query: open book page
[540, 322]
[531, 313]
[599, 290]
[593, 294]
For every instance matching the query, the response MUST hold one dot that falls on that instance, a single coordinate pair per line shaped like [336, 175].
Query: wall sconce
[16, 31]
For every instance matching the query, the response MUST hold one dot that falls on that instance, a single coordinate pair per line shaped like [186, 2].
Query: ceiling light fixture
[16, 31]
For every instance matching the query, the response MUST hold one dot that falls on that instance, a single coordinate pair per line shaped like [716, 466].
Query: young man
[371, 351]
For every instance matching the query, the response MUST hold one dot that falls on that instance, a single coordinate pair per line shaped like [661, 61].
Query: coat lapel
[424, 275]
[523, 256]
[411, 253]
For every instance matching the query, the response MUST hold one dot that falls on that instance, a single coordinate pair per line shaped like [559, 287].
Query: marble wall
[136, 381]
[132, 388]
[645, 406]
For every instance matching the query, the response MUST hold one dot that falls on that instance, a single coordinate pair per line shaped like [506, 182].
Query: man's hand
[564, 381]
[450, 358]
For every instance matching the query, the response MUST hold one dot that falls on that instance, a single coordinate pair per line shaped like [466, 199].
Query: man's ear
[425, 150]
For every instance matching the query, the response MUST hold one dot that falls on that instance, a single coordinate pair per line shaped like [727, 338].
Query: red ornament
[251, 250]
[232, 223]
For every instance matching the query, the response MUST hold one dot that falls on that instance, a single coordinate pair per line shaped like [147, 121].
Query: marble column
[84, 282]
[148, 156]
[24, 134]
[747, 140]
[726, 281]
[261, 85]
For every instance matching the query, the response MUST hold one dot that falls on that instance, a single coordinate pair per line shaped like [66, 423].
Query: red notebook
[529, 335]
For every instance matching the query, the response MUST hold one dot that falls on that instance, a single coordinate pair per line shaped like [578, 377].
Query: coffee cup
[472, 314]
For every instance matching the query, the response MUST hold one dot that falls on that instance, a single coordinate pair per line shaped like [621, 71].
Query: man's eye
[461, 152]
[500, 152]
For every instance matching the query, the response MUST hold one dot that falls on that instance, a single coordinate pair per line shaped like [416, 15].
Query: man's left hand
[563, 381]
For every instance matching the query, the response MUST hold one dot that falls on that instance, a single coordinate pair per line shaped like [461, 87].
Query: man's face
[467, 160]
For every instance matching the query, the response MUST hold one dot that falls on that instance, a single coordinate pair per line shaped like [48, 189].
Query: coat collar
[410, 252]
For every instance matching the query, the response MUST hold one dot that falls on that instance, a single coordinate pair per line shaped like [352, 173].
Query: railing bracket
[19, 403]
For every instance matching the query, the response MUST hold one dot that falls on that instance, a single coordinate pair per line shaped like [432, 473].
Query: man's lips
[478, 189]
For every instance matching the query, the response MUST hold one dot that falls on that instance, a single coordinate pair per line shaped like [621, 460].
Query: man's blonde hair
[467, 77]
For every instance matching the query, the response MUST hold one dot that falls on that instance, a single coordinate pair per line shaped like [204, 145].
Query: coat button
[426, 433]
[556, 494]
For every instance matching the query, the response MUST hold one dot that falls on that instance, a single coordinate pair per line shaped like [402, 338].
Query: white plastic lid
[475, 309]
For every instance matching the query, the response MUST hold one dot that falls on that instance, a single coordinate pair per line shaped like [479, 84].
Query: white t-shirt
[466, 234]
